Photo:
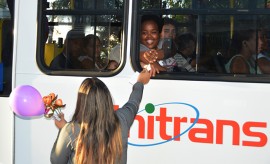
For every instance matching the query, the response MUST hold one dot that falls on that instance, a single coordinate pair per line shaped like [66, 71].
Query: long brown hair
[100, 139]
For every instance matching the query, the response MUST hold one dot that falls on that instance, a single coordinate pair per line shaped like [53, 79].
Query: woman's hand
[144, 76]
[61, 123]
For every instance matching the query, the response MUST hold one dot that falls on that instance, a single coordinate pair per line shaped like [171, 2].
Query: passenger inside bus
[68, 58]
[167, 43]
[91, 47]
[186, 44]
[263, 58]
[149, 39]
[167, 37]
[243, 46]
[93, 57]
[168, 29]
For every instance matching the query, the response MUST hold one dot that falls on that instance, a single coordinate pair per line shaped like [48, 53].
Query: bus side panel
[26, 38]
[177, 106]
[7, 130]
[233, 123]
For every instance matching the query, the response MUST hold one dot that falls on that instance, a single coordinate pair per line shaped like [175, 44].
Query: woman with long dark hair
[97, 134]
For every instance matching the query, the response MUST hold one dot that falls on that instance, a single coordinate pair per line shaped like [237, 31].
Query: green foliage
[61, 4]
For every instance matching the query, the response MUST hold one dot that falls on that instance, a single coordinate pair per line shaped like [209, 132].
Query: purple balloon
[26, 101]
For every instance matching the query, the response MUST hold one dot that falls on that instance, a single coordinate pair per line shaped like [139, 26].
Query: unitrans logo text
[152, 130]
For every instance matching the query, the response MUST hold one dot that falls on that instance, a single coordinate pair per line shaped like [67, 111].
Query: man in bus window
[69, 57]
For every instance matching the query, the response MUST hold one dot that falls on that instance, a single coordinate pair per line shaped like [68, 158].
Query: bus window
[79, 37]
[6, 46]
[214, 40]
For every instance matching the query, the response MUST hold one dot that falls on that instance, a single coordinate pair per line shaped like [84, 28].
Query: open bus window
[226, 41]
[77, 40]
[6, 46]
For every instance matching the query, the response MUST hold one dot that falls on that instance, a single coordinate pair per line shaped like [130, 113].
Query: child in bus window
[167, 43]
[168, 28]
[167, 37]
[243, 47]
[149, 38]
[186, 47]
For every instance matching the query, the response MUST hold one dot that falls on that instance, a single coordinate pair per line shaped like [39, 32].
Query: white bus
[208, 116]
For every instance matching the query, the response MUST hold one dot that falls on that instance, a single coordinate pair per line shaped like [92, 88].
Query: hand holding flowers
[53, 106]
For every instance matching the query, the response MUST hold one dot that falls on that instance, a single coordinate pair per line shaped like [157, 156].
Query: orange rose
[47, 100]
[58, 102]
[52, 95]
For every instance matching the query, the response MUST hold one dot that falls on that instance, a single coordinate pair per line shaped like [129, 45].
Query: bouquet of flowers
[53, 105]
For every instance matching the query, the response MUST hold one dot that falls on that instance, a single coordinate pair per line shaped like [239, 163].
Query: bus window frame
[40, 48]
[246, 78]
[7, 36]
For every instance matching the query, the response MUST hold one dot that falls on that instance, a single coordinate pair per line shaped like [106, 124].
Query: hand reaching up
[144, 76]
